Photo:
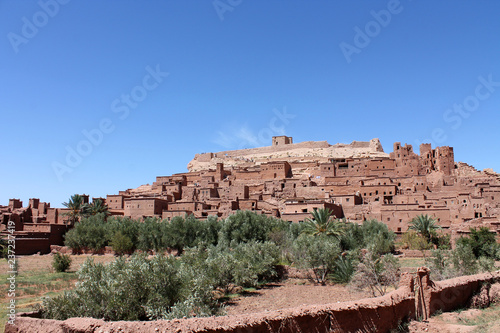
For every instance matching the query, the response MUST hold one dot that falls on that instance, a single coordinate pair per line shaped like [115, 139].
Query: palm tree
[424, 225]
[75, 205]
[97, 207]
[322, 222]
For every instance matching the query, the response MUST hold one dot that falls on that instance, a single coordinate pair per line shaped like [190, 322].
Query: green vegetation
[77, 208]
[424, 225]
[317, 253]
[322, 223]
[377, 272]
[372, 235]
[482, 243]
[472, 254]
[96, 207]
[423, 234]
[75, 205]
[212, 257]
[61, 262]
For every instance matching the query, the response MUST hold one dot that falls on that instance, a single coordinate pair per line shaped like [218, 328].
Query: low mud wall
[416, 296]
[455, 293]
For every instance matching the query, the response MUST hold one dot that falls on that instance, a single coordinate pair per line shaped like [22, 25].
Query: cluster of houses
[392, 188]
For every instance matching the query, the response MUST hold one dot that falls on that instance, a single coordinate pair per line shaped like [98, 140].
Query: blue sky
[136, 88]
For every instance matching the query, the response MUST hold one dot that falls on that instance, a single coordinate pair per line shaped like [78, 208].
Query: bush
[377, 273]
[135, 289]
[151, 235]
[461, 261]
[255, 262]
[352, 238]
[372, 235]
[123, 233]
[482, 243]
[378, 239]
[246, 264]
[318, 253]
[441, 241]
[61, 262]
[414, 241]
[343, 270]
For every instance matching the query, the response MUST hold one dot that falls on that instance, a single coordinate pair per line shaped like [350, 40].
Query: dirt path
[291, 293]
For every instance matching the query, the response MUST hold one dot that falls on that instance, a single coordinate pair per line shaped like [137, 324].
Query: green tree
[96, 207]
[482, 242]
[151, 235]
[90, 233]
[322, 222]
[372, 235]
[121, 243]
[318, 253]
[245, 226]
[424, 225]
[75, 205]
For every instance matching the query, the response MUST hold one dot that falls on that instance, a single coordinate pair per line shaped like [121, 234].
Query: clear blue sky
[229, 74]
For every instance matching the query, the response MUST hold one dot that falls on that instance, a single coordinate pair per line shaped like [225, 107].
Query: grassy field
[36, 278]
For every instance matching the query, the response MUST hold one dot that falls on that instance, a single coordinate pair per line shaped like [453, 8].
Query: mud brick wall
[379, 314]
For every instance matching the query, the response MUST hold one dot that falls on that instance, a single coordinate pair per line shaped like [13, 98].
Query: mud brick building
[357, 181]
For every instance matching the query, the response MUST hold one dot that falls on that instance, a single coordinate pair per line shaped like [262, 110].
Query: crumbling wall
[417, 296]
[451, 294]
[367, 315]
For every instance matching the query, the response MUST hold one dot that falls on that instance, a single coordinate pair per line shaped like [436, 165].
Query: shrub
[377, 273]
[352, 238]
[414, 241]
[343, 270]
[460, 261]
[134, 289]
[482, 243]
[372, 235]
[255, 262]
[318, 253]
[441, 241]
[463, 260]
[61, 262]
[246, 264]
[377, 237]
[123, 233]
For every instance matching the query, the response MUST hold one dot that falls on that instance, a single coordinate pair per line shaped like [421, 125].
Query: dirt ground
[291, 293]
[472, 320]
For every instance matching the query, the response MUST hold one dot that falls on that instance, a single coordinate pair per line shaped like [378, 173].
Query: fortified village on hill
[287, 180]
